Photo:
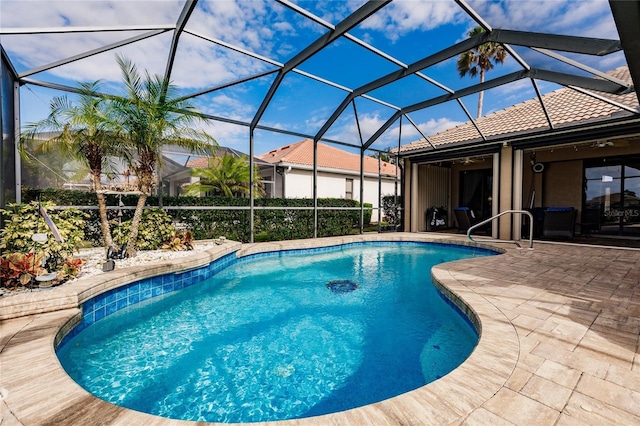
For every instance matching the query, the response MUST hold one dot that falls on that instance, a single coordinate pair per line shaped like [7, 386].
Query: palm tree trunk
[104, 220]
[102, 208]
[135, 225]
[480, 95]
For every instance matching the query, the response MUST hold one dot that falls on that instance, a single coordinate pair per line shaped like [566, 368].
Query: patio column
[506, 192]
[407, 195]
[495, 192]
[415, 217]
[518, 164]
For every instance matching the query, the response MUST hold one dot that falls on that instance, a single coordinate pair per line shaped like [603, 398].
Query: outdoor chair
[590, 221]
[559, 222]
[538, 220]
[464, 218]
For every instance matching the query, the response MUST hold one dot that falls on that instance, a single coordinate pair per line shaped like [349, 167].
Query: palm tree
[150, 116]
[228, 175]
[480, 60]
[82, 132]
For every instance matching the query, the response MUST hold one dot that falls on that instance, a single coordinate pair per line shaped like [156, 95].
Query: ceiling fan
[469, 160]
[608, 143]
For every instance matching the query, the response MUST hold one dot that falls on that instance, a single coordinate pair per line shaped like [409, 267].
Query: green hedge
[269, 225]
[368, 212]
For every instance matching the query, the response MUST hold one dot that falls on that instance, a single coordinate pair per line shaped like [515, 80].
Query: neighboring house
[179, 178]
[586, 158]
[338, 174]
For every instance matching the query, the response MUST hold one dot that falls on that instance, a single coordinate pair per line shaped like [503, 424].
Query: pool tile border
[116, 299]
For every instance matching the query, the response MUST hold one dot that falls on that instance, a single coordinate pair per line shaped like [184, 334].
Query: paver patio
[560, 345]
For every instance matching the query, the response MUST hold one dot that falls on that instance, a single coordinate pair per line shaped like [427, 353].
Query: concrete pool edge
[73, 294]
[44, 393]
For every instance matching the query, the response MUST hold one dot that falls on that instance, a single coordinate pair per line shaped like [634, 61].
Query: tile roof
[565, 107]
[328, 157]
[201, 162]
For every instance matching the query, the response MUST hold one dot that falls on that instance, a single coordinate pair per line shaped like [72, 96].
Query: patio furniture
[590, 221]
[464, 218]
[538, 220]
[559, 222]
[435, 218]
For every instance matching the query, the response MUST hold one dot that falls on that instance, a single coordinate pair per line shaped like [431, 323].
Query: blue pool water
[267, 339]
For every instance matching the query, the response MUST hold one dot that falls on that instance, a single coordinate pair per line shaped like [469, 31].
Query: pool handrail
[484, 222]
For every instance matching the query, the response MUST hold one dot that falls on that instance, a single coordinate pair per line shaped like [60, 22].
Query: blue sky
[408, 30]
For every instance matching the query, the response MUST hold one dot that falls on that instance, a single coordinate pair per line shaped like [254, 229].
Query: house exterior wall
[560, 184]
[299, 184]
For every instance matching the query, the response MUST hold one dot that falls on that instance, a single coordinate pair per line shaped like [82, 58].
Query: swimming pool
[265, 338]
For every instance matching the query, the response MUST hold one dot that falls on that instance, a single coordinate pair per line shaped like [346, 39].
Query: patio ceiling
[192, 45]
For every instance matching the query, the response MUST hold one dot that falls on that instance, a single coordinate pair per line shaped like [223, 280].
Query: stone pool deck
[560, 344]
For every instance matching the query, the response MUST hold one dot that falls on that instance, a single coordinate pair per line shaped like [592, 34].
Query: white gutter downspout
[284, 182]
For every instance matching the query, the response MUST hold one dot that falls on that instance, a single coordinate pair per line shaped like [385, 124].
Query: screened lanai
[364, 76]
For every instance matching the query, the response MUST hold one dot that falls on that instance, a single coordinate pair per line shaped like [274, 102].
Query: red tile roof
[565, 107]
[201, 162]
[328, 157]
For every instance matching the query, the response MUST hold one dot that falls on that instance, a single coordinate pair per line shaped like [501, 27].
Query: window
[348, 192]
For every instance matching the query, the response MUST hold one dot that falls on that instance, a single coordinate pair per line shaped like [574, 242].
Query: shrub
[19, 268]
[24, 220]
[368, 212]
[71, 268]
[233, 223]
[156, 227]
[179, 241]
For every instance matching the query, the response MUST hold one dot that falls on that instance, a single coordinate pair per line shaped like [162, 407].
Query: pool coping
[43, 393]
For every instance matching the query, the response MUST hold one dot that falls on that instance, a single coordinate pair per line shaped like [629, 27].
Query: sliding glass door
[612, 196]
[631, 200]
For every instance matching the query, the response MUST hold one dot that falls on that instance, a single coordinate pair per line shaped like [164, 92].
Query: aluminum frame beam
[489, 84]
[565, 79]
[563, 43]
[188, 8]
[605, 100]
[358, 41]
[228, 84]
[626, 15]
[581, 66]
[71, 30]
[351, 21]
[92, 52]
[552, 76]
[437, 57]
[541, 100]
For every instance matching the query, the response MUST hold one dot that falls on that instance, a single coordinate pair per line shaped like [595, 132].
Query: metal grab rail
[484, 222]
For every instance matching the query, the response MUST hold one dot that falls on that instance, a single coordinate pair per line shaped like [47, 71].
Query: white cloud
[347, 129]
[401, 17]
[229, 135]
[590, 18]
[269, 29]
[53, 47]
[242, 23]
